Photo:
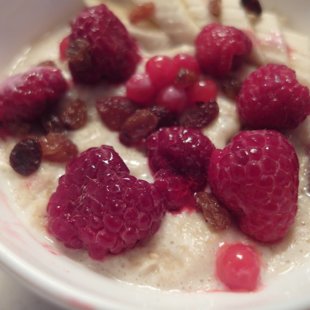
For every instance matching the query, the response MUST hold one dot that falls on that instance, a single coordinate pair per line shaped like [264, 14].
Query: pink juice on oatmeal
[181, 255]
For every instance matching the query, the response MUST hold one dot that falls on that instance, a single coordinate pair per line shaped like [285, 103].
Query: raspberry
[221, 49]
[173, 99]
[100, 47]
[186, 79]
[26, 156]
[100, 207]
[114, 111]
[187, 62]
[272, 98]
[63, 48]
[26, 96]
[184, 152]
[203, 91]
[256, 178]
[238, 267]
[176, 190]
[140, 89]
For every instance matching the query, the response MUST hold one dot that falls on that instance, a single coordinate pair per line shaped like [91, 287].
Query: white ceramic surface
[65, 282]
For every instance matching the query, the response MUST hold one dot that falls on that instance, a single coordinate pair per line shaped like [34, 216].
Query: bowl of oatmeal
[168, 260]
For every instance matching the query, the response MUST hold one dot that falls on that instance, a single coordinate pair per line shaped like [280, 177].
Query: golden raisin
[142, 12]
[73, 114]
[215, 7]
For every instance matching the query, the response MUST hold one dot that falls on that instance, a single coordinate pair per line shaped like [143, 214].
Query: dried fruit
[26, 157]
[114, 111]
[142, 12]
[73, 114]
[200, 116]
[138, 126]
[57, 147]
[252, 6]
[215, 215]
[215, 7]
[165, 117]
[51, 122]
[231, 86]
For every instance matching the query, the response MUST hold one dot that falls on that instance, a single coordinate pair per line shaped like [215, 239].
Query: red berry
[98, 206]
[185, 61]
[176, 190]
[63, 48]
[256, 178]
[238, 267]
[271, 97]
[203, 91]
[161, 71]
[172, 98]
[25, 96]
[184, 152]
[100, 47]
[221, 49]
[139, 89]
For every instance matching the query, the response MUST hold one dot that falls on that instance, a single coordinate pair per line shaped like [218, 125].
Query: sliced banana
[298, 46]
[174, 19]
[271, 39]
[199, 12]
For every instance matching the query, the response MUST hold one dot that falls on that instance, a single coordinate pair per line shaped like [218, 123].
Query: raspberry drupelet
[256, 177]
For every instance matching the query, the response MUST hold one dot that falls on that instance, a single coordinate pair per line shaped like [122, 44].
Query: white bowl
[69, 284]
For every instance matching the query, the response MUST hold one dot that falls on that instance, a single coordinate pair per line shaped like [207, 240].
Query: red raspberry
[271, 97]
[176, 189]
[221, 49]
[256, 178]
[25, 96]
[100, 207]
[100, 47]
[184, 152]
[238, 266]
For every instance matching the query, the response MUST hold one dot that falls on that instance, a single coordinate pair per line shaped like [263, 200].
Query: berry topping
[176, 191]
[203, 91]
[63, 48]
[221, 49]
[172, 98]
[26, 156]
[271, 97]
[215, 215]
[256, 178]
[103, 209]
[100, 47]
[200, 115]
[161, 71]
[183, 152]
[58, 148]
[114, 111]
[238, 267]
[140, 89]
[73, 114]
[137, 127]
[26, 96]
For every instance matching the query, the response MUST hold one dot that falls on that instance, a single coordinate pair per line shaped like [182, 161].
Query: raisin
[253, 6]
[166, 118]
[137, 127]
[17, 129]
[200, 116]
[114, 111]
[142, 12]
[231, 86]
[47, 63]
[186, 78]
[26, 157]
[215, 8]
[215, 215]
[73, 113]
[57, 147]
[52, 123]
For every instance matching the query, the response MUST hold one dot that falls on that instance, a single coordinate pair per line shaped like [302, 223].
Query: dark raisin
[216, 215]
[186, 78]
[73, 113]
[252, 6]
[166, 118]
[215, 7]
[114, 111]
[52, 123]
[57, 147]
[26, 156]
[231, 86]
[137, 127]
[142, 12]
[200, 116]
